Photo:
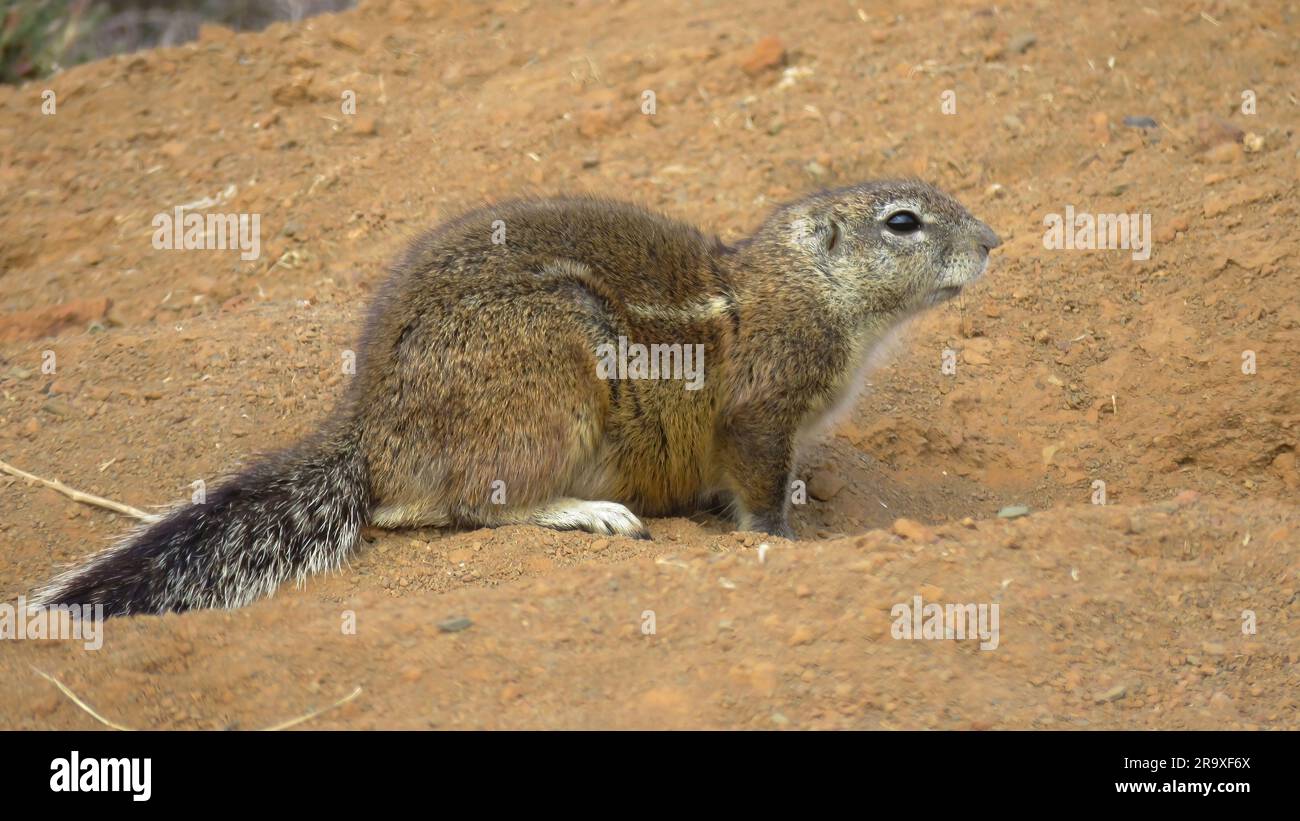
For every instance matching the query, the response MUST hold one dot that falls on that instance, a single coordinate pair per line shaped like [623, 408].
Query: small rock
[347, 39]
[56, 407]
[1224, 152]
[768, 53]
[1115, 693]
[1171, 229]
[930, 592]
[1021, 43]
[1013, 512]
[1253, 143]
[455, 625]
[1221, 701]
[509, 693]
[595, 122]
[913, 531]
[825, 485]
[1099, 125]
[802, 634]
[1141, 122]
[292, 92]
[365, 126]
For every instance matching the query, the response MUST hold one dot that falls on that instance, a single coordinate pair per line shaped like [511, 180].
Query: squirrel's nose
[986, 236]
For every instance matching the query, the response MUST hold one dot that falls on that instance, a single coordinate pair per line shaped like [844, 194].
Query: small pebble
[455, 625]
[1140, 122]
[1113, 694]
[1021, 43]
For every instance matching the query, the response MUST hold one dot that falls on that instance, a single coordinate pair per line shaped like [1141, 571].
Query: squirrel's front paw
[771, 525]
[783, 530]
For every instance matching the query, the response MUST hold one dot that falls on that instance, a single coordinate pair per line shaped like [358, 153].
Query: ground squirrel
[494, 385]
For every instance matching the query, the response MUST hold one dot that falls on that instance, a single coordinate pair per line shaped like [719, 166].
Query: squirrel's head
[893, 247]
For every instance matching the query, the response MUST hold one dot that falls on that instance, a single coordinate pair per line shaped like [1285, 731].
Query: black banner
[208, 771]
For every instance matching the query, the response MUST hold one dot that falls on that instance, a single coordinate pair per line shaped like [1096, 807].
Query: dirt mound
[1068, 377]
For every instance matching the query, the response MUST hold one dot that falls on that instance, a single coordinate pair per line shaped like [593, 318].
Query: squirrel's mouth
[955, 282]
[947, 292]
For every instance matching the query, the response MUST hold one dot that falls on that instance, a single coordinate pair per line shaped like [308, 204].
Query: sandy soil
[1072, 367]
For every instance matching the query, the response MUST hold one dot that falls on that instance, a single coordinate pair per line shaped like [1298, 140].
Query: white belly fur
[873, 350]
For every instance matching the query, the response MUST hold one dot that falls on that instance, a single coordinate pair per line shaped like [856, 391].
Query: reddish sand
[1072, 367]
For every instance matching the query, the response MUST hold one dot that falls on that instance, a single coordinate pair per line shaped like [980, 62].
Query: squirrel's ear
[820, 232]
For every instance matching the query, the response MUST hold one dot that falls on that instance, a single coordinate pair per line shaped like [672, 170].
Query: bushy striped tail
[288, 515]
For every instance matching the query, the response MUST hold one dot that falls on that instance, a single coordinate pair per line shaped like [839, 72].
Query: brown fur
[478, 400]
[478, 362]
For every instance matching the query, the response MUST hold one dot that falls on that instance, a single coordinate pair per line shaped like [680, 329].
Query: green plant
[39, 36]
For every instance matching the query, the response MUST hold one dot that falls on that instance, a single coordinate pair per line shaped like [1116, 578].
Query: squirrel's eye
[903, 222]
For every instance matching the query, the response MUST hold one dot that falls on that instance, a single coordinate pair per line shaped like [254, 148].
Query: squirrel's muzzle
[986, 236]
